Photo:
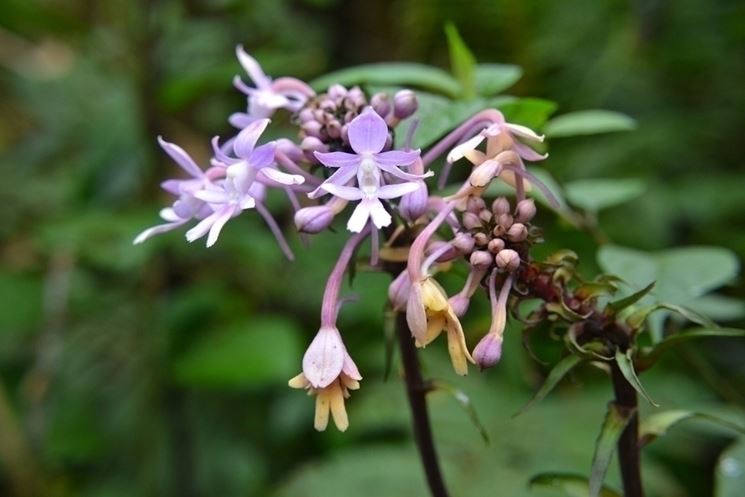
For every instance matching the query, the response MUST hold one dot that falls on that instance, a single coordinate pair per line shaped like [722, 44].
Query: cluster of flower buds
[351, 134]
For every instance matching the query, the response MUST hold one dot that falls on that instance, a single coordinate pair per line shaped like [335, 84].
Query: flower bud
[398, 291]
[333, 128]
[488, 351]
[311, 128]
[337, 92]
[482, 174]
[404, 104]
[413, 205]
[495, 245]
[481, 259]
[500, 206]
[475, 204]
[356, 97]
[381, 104]
[290, 149]
[305, 115]
[312, 144]
[507, 260]
[525, 210]
[471, 221]
[449, 254]
[481, 239]
[505, 221]
[517, 233]
[463, 243]
[327, 105]
[485, 215]
[314, 219]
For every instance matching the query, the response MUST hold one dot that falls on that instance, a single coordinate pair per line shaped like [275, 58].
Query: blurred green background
[161, 369]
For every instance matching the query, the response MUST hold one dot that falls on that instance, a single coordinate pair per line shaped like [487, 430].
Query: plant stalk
[416, 390]
[628, 444]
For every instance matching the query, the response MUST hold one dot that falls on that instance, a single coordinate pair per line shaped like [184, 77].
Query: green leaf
[619, 305]
[626, 365]
[392, 73]
[594, 195]
[588, 122]
[530, 112]
[462, 61]
[684, 336]
[554, 377]
[490, 79]
[689, 314]
[464, 401]
[260, 352]
[570, 484]
[615, 421]
[634, 266]
[719, 307]
[730, 471]
[657, 425]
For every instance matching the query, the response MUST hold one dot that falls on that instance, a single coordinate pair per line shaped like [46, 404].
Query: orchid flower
[267, 95]
[187, 207]
[367, 136]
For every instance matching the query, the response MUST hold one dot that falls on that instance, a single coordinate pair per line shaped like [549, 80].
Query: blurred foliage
[159, 370]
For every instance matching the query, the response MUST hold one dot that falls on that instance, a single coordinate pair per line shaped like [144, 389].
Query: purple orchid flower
[367, 136]
[187, 207]
[239, 190]
[267, 95]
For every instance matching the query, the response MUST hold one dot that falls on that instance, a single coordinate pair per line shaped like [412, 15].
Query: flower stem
[628, 444]
[416, 390]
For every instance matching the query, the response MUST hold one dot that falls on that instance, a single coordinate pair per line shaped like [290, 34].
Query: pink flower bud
[481, 239]
[464, 243]
[481, 259]
[482, 174]
[404, 104]
[311, 144]
[485, 215]
[471, 221]
[314, 219]
[337, 92]
[525, 210]
[333, 128]
[413, 205]
[507, 260]
[381, 104]
[517, 233]
[475, 204]
[488, 351]
[306, 115]
[505, 221]
[495, 245]
[312, 128]
[500, 206]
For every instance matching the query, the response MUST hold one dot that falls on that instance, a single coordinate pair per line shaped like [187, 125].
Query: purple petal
[172, 186]
[528, 153]
[397, 190]
[345, 192]
[397, 157]
[402, 175]
[262, 156]
[156, 230]
[202, 228]
[247, 138]
[212, 196]
[181, 157]
[283, 178]
[324, 359]
[340, 177]
[350, 368]
[337, 159]
[368, 132]
[223, 217]
[252, 68]
[240, 119]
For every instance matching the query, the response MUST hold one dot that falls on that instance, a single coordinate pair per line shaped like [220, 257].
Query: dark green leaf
[615, 421]
[571, 485]
[657, 425]
[588, 122]
[493, 78]
[689, 314]
[597, 194]
[465, 402]
[554, 377]
[684, 336]
[392, 73]
[626, 365]
[462, 61]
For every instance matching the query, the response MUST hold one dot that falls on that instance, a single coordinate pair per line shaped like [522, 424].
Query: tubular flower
[329, 373]
[367, 136]
[428, 313]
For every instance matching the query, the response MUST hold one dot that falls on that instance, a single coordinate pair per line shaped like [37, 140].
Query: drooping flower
[329, 373]
[267, 95]
[367, 136]
[489, 349]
